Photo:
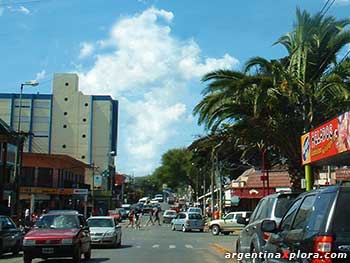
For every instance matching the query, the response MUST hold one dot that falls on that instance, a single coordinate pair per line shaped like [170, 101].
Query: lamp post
[16, 171]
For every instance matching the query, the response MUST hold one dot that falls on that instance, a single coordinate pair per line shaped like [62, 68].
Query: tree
[279, 100]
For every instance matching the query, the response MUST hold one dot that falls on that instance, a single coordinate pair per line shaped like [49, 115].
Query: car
[251, 238]
[187, 222]
[175, 208]
[123, 213]
[11, 237]
[144, 199]
[159, 197]
[105, 230]
[168, 216]
[317, 223]
[58, 235]
[228, 223]
[195, 210]
[63, 211]
[127, 208]
[154, 201]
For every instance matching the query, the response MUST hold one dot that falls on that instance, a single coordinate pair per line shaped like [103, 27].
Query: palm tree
[281, 98]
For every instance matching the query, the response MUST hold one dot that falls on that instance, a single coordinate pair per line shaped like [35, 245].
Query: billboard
[327, 140]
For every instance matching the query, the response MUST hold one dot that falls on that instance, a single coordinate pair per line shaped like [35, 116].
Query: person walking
[156, 216]
[131, 217]
[150, 220]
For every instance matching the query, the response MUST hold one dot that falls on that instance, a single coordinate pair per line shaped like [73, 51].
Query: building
[68, 122]
[9, 142]
[53, 181]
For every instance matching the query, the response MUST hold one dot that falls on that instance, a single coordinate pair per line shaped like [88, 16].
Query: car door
[235, 225]
[8, 232]
[277, 243]
[251, 232]
[227, 224]
[176, 221]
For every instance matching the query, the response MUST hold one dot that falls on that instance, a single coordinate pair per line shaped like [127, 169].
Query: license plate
[47, 250]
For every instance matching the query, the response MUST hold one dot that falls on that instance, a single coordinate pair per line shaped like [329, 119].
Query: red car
[58, 235]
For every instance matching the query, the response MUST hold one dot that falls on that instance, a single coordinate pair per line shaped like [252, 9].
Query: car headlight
[110, 234]
[28, 242]
[67, 241]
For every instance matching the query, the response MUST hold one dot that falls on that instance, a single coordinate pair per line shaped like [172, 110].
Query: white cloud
[86, 50]
[20, 9]
[40, 75]
[148, 70]
[23, 10]
[343, 2]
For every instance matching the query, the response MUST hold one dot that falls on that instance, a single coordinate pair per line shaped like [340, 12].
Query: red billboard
[329, 139]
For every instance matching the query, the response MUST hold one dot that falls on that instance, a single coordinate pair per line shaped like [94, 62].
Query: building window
[64, 126]
[83, 136]
[65, 99]
[83, 157]
[64, 146]
[84, 120]
[65, 113]
[67, 84]
[86, 104]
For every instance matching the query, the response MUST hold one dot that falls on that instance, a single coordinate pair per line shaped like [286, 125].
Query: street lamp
[16, 171]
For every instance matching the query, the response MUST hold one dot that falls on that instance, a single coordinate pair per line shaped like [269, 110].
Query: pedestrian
[131, 217]
[138, 216]
[156, 215]
[150, 220]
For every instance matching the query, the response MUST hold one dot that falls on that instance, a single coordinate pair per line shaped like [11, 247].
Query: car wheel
[26, 259]
[87, 255]
[215, 230]
[173, 227]
[77, 256]
[184, 229]
[255, 260]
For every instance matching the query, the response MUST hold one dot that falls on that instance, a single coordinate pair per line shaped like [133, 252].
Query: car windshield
[283, 203]
[194, 216]
[57, 221]
[100, 222]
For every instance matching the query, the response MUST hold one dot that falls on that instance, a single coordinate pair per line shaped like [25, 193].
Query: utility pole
[213, 159]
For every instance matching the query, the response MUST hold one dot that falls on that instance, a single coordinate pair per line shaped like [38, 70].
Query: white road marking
[138, 246]
[155, 246]
[172, 246]
[188, 246]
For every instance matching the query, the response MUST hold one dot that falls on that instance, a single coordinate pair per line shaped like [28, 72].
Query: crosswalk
[171, 246]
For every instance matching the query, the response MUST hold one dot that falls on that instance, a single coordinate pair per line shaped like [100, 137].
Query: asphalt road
[154, 244]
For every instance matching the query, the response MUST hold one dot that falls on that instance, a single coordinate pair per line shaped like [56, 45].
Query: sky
[148, 54]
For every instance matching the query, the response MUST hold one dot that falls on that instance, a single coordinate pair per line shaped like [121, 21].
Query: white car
[228, 223]
[154, 201]
[159, 197]
[144, 200]
[105, 230]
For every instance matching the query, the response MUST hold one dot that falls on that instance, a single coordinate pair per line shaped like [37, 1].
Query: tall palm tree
[282, 98]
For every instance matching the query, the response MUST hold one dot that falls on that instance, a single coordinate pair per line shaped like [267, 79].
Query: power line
[324, 6]
[328, 7]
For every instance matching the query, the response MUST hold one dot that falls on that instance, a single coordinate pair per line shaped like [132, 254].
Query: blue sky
[149, 55]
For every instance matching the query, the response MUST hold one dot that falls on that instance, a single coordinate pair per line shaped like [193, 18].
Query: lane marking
[138, 246]
[172, 246]
[155, 246]
[188, 246]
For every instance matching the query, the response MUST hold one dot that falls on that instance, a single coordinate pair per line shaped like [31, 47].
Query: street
[155, 244]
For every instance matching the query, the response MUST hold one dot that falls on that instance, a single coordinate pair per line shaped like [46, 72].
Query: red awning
[256, 193]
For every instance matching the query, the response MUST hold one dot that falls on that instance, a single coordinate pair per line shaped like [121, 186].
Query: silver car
[105, 230]
[187, 222]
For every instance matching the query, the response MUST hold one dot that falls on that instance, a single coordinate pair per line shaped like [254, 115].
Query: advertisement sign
[97, 180]
[78, 191]
[327, 140]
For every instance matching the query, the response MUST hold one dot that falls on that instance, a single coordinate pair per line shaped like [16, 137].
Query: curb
[220, 248]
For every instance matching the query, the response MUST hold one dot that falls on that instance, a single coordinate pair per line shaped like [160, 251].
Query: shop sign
[45, 190]
[97, 180]
[327, 140]
[80, 191]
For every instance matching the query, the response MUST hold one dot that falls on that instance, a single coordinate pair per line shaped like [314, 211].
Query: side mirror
[243, 220]
[269, 226]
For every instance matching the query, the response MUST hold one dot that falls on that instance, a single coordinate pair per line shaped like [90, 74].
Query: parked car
[187, 222]
[273, 207]
[317, 223]
[228, 223]
[168, 216]
[159, 197]
[11, 237]
[195, 210]
[144, 200]
[105, 230]
[58, 235]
